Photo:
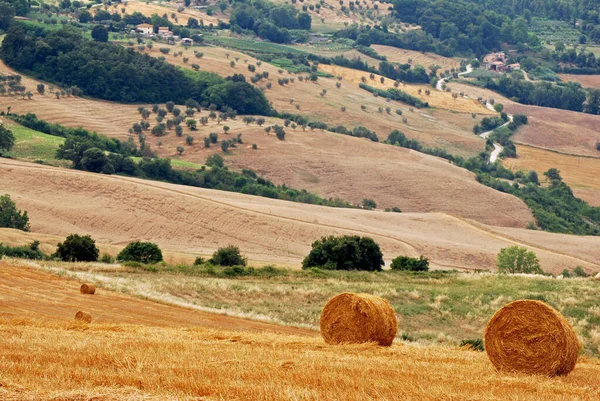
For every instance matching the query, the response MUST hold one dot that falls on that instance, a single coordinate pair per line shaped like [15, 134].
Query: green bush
[475, 344]
[7, 139]
[30, 251]
[516, 259]
[228, 256]
[345, 253]
[142, 252]
[10, 217]
[77, 248]
[199, 261]
[410, 264]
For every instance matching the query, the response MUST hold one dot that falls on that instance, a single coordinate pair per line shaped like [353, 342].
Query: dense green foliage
[268, 20]
[516, 259]
[7, 13]
[142, 252]
[345, 253]
[77, 248]
[10, 217]
[112, 72]
[407, 263]
[7, 139]
[228, 256]
[30, 251]
[395, 94]
[464, 26]
[568, 96]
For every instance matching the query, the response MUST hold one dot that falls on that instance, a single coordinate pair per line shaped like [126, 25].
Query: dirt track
[116, 210]
[32, 294]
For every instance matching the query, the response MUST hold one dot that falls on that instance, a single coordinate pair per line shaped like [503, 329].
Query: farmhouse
[146, 29]
[164, 31]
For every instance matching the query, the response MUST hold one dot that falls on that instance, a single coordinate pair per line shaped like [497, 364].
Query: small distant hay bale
[531, 337]
[358, 318]
[83, 316]
[88, 289]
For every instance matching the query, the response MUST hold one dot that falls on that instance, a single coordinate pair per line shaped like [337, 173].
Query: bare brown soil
[117, 210]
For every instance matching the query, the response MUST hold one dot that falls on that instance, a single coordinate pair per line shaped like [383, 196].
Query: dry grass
[581, 173]
[439, 128]
[439, 99]
[562, 130]
[161, 8]
[75, 361]
[116, 210]
[402, 56]
[334, 19]
[589, 81]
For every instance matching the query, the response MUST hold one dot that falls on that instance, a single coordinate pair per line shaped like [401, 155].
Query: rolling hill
[116, 210]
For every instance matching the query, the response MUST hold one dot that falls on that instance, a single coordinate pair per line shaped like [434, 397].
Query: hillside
[330, 164]
[116, 210]
[44, 356]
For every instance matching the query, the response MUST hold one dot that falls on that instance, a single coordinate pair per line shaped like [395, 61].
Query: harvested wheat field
[58, 299]
[117, 210]
[439, 99]
[588, 81]
[402, 56]
[562, 130]
[169, 8]
[106, 118]
[48, 360]
[581, 173]
[442, 127]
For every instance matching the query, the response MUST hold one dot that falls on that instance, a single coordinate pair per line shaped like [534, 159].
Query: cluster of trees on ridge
[276, 23]
[566, 96]
[111, 72]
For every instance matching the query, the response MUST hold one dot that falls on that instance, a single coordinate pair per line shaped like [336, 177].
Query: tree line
[111, 72]
[268, 20]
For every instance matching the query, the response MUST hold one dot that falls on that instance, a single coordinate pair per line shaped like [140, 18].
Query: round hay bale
[83, 316]
[358, 318]
[531, 337]
[88, 289]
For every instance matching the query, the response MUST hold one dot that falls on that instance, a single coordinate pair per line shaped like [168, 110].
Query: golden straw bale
[88, 289]
[83, 316]
[531, 337]
[358, 318]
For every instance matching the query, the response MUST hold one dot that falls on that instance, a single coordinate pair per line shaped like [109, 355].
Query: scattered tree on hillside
[141, 252]
[7, 139]
[345, 253]
[369, 204]
[77, 248]
[228, 256]
[516, 259]
[553, 174]
[410, 264]
[10, 217]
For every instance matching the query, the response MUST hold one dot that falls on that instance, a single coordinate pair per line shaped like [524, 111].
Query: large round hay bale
[358, 318]
[531, 337]
[83, 316]
[88, 289]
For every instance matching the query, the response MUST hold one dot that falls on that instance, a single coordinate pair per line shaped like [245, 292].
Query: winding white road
[497, 147]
